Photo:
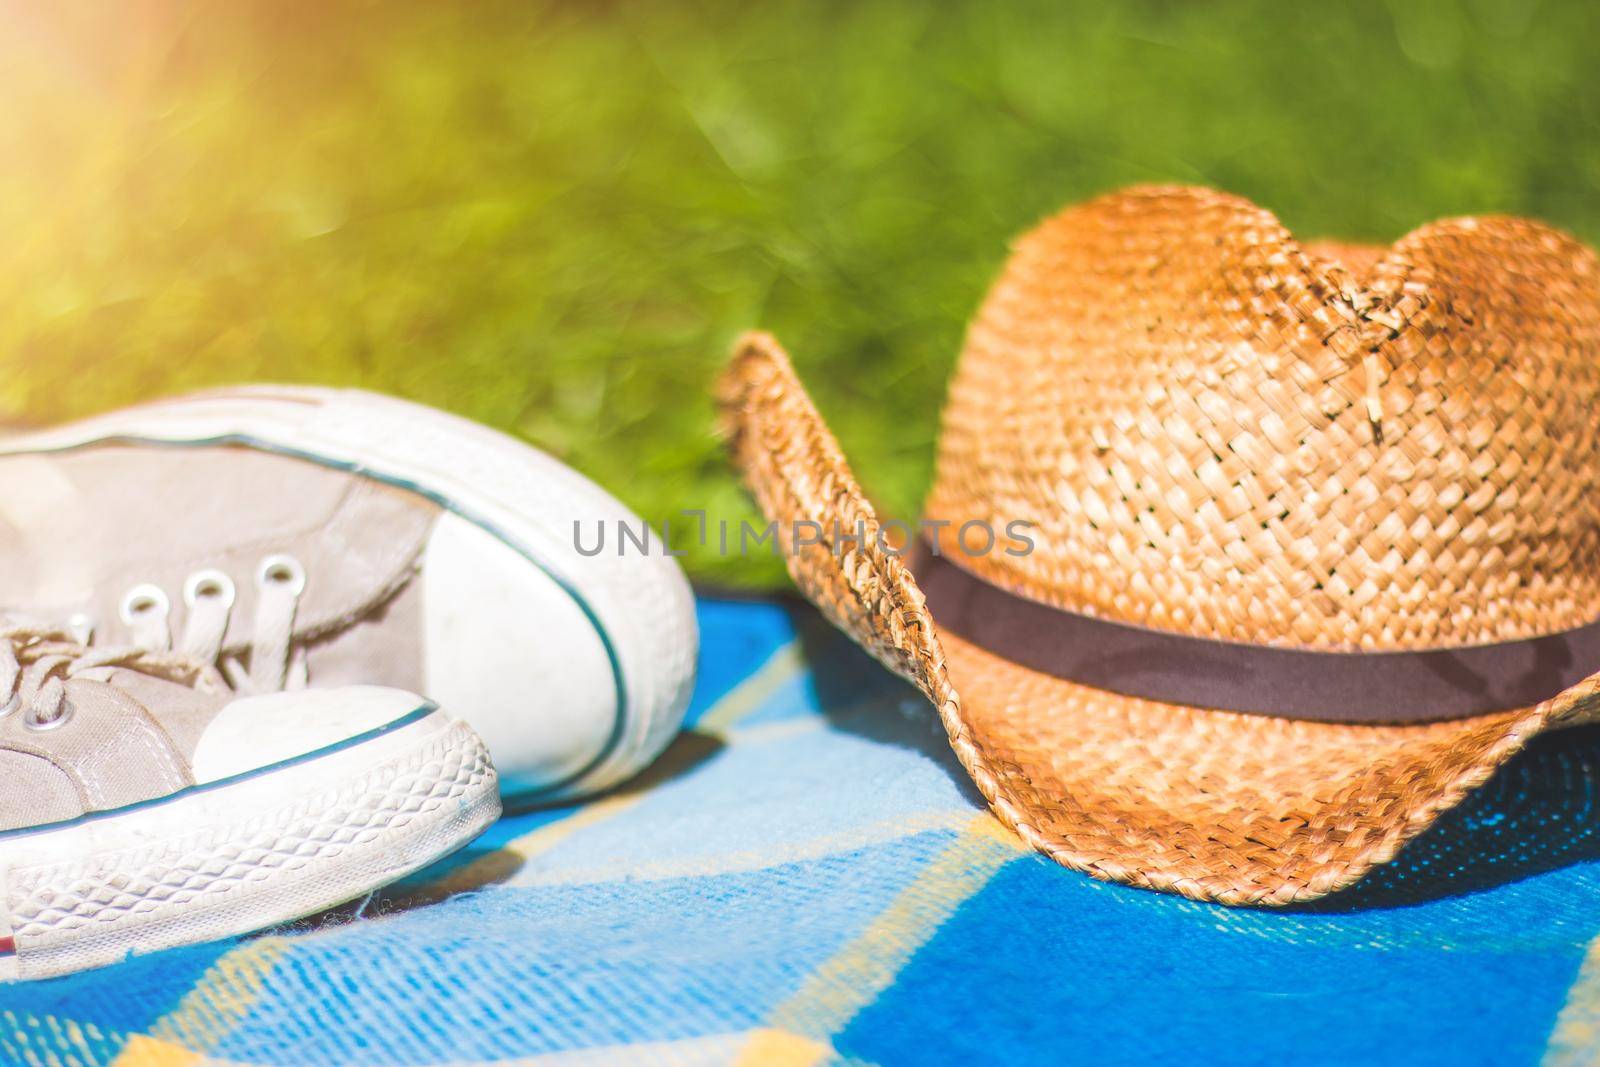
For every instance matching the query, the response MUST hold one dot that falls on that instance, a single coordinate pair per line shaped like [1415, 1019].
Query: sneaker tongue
[105, 520]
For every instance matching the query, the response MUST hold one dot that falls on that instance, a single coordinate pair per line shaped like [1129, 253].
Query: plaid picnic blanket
[807, 877]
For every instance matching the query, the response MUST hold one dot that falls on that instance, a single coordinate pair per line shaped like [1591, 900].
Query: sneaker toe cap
[259, 731]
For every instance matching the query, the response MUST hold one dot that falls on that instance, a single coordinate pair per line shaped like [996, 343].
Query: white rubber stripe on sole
[251, 853]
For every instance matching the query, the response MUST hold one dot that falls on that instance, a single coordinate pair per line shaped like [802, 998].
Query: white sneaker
[143, 804]
[313, 536]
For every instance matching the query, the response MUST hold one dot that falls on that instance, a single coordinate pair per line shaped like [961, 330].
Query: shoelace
[36, 661]
[276, 663]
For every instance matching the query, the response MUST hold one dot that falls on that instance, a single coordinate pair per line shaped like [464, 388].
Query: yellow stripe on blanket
[207, 1013]
[867, 965]
[1577, 1029]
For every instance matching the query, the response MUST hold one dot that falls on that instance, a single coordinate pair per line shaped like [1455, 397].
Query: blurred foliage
[554, 218]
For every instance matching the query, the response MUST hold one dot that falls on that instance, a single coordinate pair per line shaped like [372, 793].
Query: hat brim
[1215, 805]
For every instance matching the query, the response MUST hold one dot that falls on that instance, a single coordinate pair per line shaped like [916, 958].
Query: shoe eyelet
[282, 570]
[209, 585]
[56, 723]
[143, 601]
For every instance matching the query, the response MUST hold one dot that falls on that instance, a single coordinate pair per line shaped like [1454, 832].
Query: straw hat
[1314, 534]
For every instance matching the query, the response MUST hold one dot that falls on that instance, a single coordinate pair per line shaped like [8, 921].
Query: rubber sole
[243, 854]
[641, 604]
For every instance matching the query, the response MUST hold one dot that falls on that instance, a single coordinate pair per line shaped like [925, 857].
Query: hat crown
[1217, 432]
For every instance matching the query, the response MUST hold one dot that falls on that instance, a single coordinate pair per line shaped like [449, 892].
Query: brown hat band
[1347, 687]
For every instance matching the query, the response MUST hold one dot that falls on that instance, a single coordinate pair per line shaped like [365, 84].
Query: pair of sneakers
[218, 612]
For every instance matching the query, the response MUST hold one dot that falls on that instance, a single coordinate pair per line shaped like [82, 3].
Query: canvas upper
[108, 539]
[96, 729]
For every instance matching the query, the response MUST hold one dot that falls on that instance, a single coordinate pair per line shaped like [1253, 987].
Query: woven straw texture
[1219, 432]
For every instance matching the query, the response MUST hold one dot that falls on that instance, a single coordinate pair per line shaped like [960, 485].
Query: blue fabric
[808, 877]
[1101, 973]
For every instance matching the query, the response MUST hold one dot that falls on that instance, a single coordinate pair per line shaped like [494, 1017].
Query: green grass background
[555, 217]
